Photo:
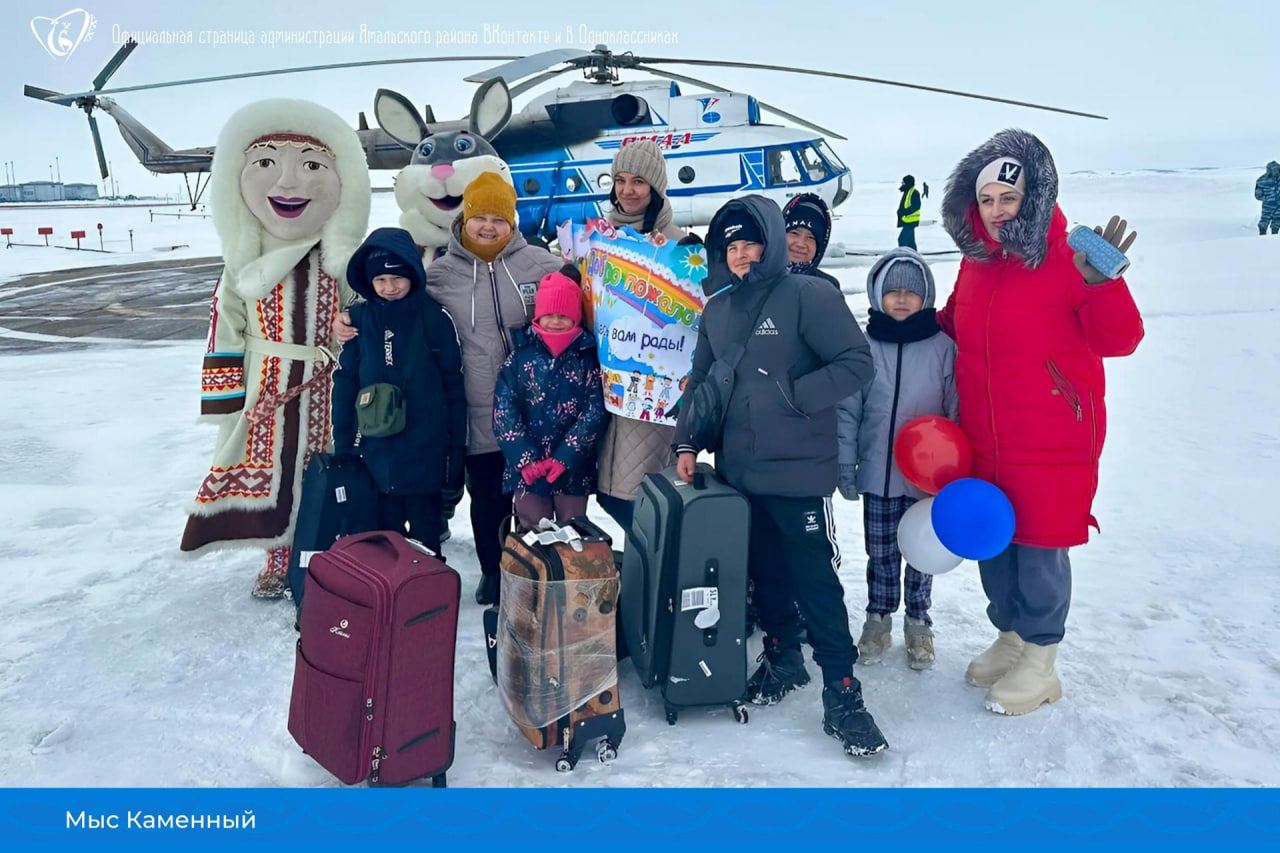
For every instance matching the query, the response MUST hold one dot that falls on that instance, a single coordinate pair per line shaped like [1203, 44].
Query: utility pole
[59, 164]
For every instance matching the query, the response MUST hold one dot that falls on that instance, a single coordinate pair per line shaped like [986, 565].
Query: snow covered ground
[123, 664]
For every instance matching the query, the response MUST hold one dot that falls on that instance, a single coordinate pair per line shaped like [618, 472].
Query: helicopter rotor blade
[68, 99]
[97, 146]
[43, 94]
[841, 76]
[524, 66]
[765, 106]
[536, 81]
[111, 67]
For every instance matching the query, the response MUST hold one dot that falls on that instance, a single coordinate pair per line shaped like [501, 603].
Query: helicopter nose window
[813, 164]
[605, 183]
[782, 167]
[825, 150]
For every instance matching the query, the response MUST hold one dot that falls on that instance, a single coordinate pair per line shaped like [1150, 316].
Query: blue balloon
[973, 519]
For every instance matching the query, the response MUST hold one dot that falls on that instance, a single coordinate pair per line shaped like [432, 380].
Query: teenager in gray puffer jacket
[915, 376]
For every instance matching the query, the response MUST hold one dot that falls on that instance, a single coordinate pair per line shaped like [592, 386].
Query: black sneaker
[487, 589]
[845, 717]
[781, 671]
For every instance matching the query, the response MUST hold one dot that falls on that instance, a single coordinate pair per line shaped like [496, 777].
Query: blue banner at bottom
[662, 818]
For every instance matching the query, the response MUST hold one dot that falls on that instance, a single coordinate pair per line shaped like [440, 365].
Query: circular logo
[343, 624]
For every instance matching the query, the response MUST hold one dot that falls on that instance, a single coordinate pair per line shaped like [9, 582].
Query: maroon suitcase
[373, 677]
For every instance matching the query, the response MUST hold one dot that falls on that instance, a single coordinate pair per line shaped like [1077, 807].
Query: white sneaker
[990, 666]
[877, 637]
[1031, 683]
[919, 638]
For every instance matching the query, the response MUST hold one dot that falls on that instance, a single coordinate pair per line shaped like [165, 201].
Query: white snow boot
[919, 638]
[877, 637]
[990, 666]
[1031, 683]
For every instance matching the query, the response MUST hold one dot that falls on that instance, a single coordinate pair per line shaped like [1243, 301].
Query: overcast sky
[1186, 84]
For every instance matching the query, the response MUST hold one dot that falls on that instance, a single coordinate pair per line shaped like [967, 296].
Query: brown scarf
[488, 252]
[617, 218]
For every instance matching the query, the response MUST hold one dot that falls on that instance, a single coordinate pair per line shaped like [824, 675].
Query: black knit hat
[381, 262]
[806, 214]
[738, 224]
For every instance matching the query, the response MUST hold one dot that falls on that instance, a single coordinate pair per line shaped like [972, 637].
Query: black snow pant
[794, 558]
[490, 506]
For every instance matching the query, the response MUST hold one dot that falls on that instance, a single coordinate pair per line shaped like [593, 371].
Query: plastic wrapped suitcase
[684, 590]
[373, 676]
[556, 653]
[338, 499]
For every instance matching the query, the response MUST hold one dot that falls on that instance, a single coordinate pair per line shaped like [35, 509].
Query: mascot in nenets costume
[446, 157]
[290, 195]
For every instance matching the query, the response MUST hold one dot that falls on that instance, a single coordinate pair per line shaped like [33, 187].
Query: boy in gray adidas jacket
[915, 375]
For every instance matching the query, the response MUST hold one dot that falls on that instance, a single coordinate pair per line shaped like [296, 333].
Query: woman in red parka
[1032, 321]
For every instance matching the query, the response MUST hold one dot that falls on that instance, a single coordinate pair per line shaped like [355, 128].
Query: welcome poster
[645, 305]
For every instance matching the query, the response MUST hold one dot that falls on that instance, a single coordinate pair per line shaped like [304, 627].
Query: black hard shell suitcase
[684, 590]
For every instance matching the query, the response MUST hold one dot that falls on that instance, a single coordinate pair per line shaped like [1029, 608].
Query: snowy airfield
[122, 664]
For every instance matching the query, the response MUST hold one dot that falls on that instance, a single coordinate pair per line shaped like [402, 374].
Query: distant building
[10, 192]
[41, 191]
[80, 192]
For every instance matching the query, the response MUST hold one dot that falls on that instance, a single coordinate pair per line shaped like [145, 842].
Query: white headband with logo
[1006, 171]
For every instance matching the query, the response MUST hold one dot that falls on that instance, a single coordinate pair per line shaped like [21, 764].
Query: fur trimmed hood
[254, 260]
[1027, 234]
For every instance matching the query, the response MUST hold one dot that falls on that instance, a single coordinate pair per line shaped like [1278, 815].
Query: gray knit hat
[903, 274]
[644, 158]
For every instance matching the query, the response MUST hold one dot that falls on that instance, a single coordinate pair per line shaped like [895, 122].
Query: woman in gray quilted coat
[630, 448]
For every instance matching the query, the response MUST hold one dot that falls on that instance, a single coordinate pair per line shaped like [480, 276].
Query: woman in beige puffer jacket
[630, 448]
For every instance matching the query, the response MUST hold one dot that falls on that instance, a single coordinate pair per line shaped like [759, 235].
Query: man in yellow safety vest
[908, 212]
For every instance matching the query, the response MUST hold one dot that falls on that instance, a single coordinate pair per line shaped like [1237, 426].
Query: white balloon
[920, 545]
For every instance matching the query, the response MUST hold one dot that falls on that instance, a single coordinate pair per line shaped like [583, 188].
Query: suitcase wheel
[672, 716]
[439, 781]
[606, 751]
[565, 763]
[740, 713]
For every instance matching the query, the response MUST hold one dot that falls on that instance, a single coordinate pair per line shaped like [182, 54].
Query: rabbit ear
[491, 108]
[399, 118]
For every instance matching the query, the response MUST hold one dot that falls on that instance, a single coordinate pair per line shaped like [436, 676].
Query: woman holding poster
[634, 445]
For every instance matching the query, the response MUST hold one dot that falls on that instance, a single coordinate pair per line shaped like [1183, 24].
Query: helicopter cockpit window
[825, 150]
[782, 167]
[813, 165]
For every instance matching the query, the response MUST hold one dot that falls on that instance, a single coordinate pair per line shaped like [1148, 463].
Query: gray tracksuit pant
[1029, 590]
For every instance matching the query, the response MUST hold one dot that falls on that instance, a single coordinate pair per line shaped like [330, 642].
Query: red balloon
[931, 451]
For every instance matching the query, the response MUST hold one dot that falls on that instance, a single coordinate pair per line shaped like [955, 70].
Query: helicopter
[560, 145]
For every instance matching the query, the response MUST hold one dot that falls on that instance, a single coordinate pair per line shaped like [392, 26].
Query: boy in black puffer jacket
[407, 341]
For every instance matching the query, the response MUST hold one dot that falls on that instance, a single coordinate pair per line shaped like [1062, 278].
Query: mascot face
[433, 190]
[290, 184]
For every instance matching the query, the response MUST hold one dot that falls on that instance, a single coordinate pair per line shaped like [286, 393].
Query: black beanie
[738, 224]
[806, 214]
[381, 262]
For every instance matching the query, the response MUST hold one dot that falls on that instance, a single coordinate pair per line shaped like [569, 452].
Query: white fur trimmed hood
[254, 261]
[1027, 234]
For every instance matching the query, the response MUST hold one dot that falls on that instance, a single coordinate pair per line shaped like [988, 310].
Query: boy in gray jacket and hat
[915, 376]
